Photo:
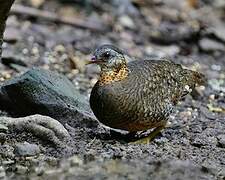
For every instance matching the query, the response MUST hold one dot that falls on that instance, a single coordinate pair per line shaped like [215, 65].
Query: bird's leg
[151, 136]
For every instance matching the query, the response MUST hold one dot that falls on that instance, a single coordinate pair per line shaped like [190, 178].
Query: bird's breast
[111, 76]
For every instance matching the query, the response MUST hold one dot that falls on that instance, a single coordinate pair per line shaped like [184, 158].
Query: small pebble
[3, 128]
[211, 45]
[36, 3]
[35, 51]
[126, 21]
[216, 67]
[221, 140]
[59, 48]
[212, 97]
[9, 162]
[12, 35]
[2, 138]
[2, 173]
[26, 149]
[21, 169]
[25, 51]
[76, 161]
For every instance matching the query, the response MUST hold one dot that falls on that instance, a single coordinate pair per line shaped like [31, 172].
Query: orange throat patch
[113, 76]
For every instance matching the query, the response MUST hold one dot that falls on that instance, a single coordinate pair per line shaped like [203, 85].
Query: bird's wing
[158, 80]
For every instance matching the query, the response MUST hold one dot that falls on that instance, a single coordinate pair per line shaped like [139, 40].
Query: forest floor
[191, 33]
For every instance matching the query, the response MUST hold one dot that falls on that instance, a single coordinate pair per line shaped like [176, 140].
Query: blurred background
[61, 34]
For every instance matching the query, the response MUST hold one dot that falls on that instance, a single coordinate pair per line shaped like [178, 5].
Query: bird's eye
[106, 55]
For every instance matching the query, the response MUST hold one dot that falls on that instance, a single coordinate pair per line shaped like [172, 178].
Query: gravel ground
[193, 34]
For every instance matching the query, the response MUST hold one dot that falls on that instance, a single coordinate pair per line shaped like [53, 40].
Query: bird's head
[109, 57]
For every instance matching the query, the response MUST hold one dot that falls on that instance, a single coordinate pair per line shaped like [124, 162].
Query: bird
[140, 94]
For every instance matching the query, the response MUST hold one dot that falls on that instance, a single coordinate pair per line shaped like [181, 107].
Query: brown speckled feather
[145, 98]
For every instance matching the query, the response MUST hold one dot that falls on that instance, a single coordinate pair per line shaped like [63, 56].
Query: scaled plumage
[143, 95]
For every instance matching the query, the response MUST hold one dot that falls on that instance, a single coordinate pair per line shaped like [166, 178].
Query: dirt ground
[188, 32]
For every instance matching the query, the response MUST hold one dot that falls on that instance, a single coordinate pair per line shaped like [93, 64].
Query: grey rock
[48, 93]
[219, 31]
[125, 7]
[2, 173]
[9, 162]
[26, 149]
[162, 51]
[8, 58]
[3, 128]
[198, 142]
[169, 33]
[203, 140]
[126, 21]
[221, 140]
[21, 169]
[120, 7]
[209, 45]
[217, 84]
[12, 35]
[208, 114]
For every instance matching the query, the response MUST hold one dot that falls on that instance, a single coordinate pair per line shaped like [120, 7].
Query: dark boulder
[48, 93]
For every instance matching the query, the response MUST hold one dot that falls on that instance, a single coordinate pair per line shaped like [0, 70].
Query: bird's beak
[94, 61]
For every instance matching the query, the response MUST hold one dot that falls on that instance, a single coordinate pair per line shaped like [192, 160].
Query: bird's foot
[150, 137]
[44, 127]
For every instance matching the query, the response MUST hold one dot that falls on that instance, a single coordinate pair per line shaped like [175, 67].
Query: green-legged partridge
[138, 95]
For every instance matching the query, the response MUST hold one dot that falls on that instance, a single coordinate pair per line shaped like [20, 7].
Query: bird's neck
[113, 75]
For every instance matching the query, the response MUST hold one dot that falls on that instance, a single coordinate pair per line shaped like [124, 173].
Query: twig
[49, 16]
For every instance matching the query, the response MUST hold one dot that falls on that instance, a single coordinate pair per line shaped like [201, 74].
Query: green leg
[150, 137]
